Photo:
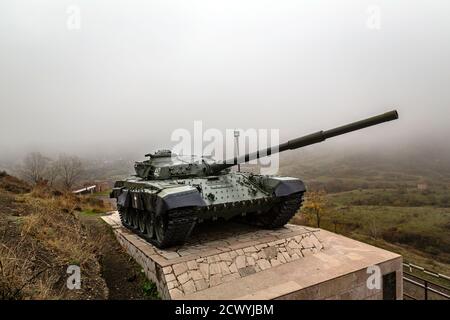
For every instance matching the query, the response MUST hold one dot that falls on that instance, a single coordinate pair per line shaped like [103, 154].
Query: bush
[13, 184]
[150, 290]
[426, 243]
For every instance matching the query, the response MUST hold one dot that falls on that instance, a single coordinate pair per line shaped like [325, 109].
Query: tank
[170, 194]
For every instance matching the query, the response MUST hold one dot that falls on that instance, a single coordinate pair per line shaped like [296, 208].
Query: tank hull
[226, 196]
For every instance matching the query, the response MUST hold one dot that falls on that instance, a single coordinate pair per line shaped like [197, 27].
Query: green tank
[170, 193]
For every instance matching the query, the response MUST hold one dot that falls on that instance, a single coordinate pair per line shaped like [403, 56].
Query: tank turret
[163, 164]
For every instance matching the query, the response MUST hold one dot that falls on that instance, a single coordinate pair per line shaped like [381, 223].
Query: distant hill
[343, 170]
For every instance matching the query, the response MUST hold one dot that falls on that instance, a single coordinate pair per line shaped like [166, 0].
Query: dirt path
[122, 274]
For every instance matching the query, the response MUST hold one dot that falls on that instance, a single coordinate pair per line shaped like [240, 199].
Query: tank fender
[115, 192]
[184, 196]
[123, 198]
[283, 186]
[128, 198]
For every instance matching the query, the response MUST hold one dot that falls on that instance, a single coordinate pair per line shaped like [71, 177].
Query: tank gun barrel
[307, 140]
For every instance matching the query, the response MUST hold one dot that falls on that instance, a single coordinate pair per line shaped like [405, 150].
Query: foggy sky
[137, 70]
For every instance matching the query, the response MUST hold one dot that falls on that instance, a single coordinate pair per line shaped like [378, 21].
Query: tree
[34, 167]
[70, 169]
[52, 172]
[315, 205]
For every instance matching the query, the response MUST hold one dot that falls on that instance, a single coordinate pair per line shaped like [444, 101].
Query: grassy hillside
[375, 198]
[40, 237]
[42, 232]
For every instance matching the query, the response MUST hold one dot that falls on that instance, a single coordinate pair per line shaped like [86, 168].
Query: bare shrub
[315, 206]
[34, 167]
[70, 169]
[51, 173]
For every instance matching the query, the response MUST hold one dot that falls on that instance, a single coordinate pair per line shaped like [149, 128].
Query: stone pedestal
[234, 261]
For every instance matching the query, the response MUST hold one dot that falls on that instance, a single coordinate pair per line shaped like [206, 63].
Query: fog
[121, 76]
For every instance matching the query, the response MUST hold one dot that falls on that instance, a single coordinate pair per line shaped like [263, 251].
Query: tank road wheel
[163, 230]
[282, 212]
[174, 226]
[128, 216]
[149, 225]
[142, 219]
[133, 218]
[160, 228]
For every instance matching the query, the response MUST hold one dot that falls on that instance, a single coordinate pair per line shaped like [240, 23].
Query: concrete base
[234, 261]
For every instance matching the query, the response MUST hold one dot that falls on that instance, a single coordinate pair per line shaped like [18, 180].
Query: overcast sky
[127, 73]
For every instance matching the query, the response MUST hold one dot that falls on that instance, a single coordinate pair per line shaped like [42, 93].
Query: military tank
[171, 193]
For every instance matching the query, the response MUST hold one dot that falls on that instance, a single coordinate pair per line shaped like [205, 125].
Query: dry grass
[40, 236]
[23, 277]
[61, 231]
[13, 184]
[70, 202]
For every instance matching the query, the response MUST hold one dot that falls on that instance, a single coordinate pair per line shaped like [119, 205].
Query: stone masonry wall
[204, 272]
[222, 255]
[204, 263]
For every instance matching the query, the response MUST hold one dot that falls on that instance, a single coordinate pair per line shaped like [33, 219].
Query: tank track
[179, 225]
[281, 213]
[122, 213]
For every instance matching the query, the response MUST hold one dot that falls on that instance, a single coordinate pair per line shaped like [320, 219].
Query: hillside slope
[43, 232]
